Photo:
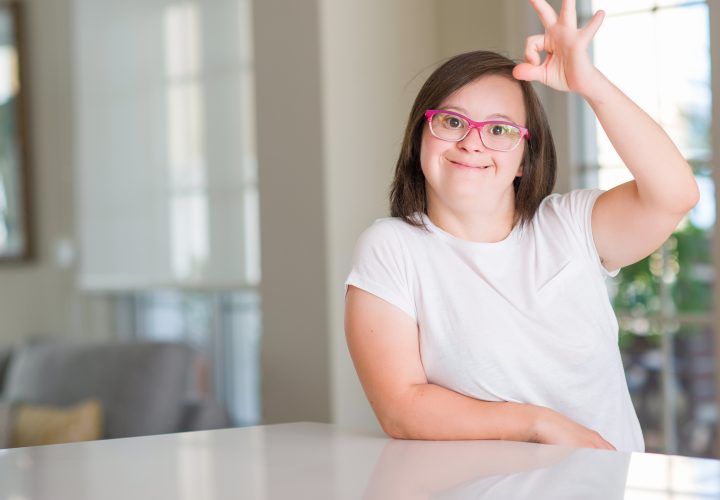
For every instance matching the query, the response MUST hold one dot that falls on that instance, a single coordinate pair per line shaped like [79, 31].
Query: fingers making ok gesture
[567, 65]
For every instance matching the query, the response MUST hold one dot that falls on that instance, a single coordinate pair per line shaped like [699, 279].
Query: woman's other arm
[384, 347]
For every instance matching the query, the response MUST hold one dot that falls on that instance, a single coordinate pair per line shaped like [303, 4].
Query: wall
[465, 25]
[295, 372]
[714, 13]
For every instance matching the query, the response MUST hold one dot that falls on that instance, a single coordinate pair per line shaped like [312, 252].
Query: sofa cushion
[41, 425]
[141, 385]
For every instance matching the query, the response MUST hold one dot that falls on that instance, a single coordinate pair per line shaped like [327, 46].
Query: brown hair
[539, 164]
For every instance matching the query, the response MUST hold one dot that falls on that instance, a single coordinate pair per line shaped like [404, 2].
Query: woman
[478, 310]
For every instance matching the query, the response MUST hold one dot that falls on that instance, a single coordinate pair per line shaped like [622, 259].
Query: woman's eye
[453, 122]
[498, 130]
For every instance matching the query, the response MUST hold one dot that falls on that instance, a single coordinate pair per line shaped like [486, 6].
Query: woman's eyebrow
[464, 112]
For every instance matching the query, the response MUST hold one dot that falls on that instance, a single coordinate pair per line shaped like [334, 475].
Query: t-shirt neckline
[509, 239]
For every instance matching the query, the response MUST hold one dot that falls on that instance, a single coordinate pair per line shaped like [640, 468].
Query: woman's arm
[384, 347]
[631, 220]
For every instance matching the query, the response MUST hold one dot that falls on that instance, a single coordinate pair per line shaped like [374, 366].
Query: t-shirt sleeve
[380, 266]
[578, 205]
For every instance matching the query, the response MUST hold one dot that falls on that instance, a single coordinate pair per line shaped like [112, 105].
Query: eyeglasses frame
[524, 133]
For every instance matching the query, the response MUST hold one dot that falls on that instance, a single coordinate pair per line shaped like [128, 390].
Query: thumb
[529, 72]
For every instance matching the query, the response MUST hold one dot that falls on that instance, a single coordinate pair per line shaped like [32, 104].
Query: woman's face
[465, 176]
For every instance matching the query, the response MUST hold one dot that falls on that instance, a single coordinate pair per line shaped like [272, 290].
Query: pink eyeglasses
[497, 135]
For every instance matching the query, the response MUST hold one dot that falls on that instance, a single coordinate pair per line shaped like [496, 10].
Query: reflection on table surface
[495, 469]
[319, 461]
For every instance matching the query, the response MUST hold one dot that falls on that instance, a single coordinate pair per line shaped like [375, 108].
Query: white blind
[166, 166]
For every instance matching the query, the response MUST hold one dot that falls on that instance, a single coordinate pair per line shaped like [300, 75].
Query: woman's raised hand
[567, 65]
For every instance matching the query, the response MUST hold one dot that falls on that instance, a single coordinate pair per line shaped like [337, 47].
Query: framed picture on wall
[15, 241]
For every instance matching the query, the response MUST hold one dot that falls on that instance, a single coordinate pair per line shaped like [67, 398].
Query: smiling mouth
[477, 167]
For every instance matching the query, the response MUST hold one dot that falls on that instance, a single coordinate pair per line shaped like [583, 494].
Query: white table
[322, 461]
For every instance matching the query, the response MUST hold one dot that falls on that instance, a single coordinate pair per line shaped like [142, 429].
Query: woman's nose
[473, 141]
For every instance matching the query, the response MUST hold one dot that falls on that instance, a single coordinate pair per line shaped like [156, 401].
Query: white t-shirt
[526, 319]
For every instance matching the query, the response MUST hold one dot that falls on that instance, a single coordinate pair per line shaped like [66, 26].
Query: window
[168, 202]
[225, 326]
[658, 52]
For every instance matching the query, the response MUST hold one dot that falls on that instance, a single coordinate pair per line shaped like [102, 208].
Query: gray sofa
[144, 387]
